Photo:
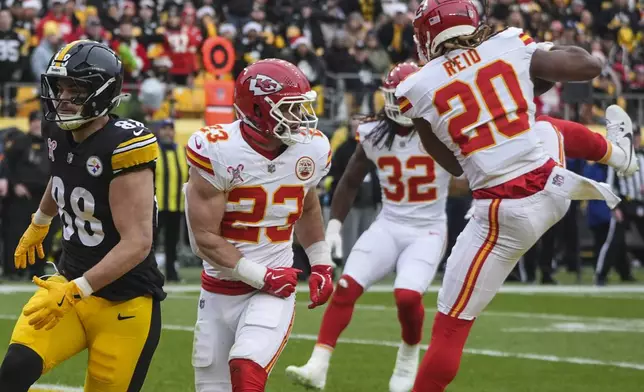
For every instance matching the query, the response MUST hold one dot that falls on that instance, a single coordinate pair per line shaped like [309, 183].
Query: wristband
[84, 286]
[250, 273]
[41, 219]
[319, 253]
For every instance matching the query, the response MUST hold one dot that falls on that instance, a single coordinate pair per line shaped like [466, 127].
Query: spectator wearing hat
[182, 38]
[131, 51]
[311, 65]
[45, 50]
[171, 174]
[252, 47]
[28, 166]
[397, 36]
[55, 14]
[151, 31]
[94, 31]
[307, 19]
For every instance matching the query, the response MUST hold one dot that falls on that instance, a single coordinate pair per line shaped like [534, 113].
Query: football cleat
[619, 130]
[402, 379]
[310, 375]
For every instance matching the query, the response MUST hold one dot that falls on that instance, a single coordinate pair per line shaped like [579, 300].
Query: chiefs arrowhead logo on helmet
[264, 85]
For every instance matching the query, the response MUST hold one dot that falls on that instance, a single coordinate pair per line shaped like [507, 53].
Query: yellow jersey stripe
[134, 140]
[160, 181]
[61, 54]
[173, 180]
[134, 157]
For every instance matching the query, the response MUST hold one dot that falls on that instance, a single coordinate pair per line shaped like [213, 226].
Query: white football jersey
[265, 197]
[414, 187]
[479, 103]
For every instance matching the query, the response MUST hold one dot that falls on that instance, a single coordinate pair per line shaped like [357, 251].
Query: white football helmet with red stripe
[437, 21]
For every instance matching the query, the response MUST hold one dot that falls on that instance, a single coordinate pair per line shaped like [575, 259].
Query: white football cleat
[402, 379]
[309, 375]
[619, 130]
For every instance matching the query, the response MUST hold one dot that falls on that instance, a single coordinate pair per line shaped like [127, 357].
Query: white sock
[618, 156]
[321, 354]
[408, 350]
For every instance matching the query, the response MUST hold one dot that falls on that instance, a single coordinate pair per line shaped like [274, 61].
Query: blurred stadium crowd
[343, 47]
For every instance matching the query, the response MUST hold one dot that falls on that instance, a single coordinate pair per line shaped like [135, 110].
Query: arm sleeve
[200, 154]
[139, 151]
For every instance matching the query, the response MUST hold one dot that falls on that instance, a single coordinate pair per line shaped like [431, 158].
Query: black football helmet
[96, 73]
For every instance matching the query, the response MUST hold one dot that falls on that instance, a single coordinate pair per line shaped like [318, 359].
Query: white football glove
[547, 45]
[334, 238]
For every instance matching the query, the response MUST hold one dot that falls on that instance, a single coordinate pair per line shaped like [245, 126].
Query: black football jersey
[81, 174]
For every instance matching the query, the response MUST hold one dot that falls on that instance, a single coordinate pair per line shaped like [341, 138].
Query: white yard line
[55, 387]
[512, 289]
[488, 353]
[487, 313]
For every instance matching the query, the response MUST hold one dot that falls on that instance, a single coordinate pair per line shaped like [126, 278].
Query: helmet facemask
[81, 96]
[296, 118]
[392, 110]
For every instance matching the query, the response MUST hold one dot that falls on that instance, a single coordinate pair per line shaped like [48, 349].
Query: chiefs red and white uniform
[409, 234]
[265, 199]
[479, 103]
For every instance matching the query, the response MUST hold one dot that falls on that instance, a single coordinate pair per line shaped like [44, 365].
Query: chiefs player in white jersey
[252, 184]
[408, 236]
[472, 105]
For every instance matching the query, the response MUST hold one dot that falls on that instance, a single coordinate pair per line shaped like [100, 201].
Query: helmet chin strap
[76, 122]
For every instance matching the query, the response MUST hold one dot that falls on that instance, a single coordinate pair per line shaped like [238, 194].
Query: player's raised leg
[33, 352]
[616, 149]
[262, 334]
[415, 270]
[483, 256]
[372, 258]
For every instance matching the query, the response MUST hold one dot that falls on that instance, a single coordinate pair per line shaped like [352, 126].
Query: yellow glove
[30, 243]
[47, 309]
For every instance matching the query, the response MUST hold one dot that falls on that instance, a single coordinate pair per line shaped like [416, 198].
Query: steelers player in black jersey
[106, 296]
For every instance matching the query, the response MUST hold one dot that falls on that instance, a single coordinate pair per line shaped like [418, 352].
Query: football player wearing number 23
[107, 292]
[251, 187]
[472, 105]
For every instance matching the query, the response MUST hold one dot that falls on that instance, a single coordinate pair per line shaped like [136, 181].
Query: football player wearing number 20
[106, 296]
[408, 237]
[472, 105]
[252, 185]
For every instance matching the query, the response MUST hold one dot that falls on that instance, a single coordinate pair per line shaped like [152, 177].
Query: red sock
[442, 359]
[247, 376]
[579, 141]
[338, 314]
[410, 314]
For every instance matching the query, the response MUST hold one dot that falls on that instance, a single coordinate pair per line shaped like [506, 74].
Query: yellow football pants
[121, 338]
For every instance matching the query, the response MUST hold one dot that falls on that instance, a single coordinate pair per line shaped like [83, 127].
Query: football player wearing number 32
[472, 105]
[408, 237]
[106, 296]
[252, 185]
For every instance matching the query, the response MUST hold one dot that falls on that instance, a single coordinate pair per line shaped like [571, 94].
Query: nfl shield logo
[271, 168]
[70, 157]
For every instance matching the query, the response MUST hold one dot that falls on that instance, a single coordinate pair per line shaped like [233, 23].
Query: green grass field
[527, 341]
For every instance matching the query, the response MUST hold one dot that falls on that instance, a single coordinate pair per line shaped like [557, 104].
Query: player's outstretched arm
[206, 207]
[47, 203]
[436, 149]
[132, 205]
[349, 184]
[564, 64]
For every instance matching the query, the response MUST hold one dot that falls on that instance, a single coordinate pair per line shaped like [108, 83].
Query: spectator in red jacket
[56, 14]
[132, 53]
[182, 38]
